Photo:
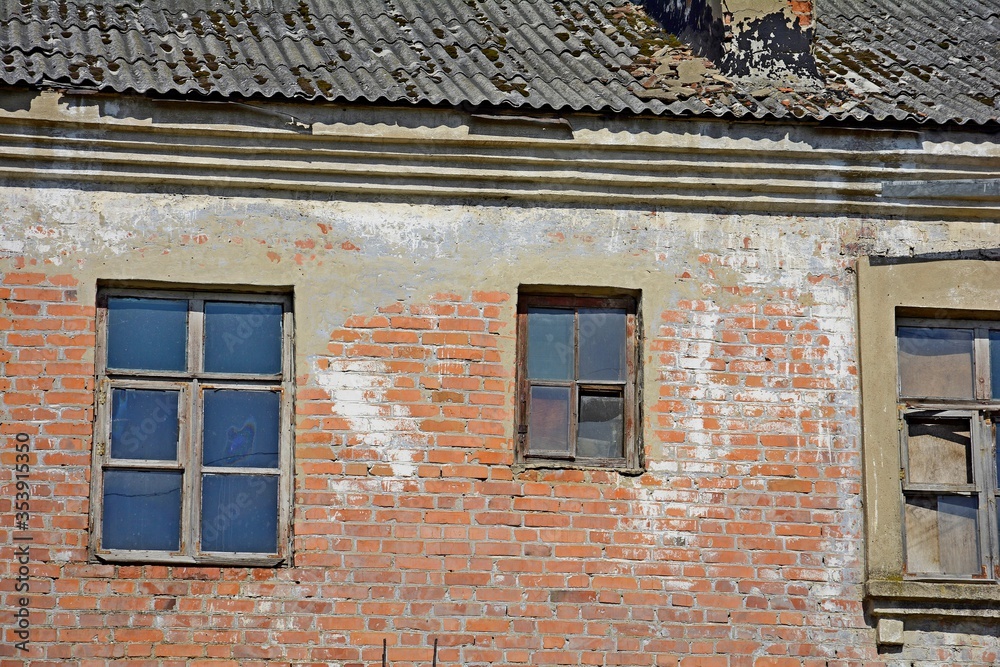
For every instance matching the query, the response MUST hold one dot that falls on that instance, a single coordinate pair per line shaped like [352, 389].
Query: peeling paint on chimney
[770, 42]
[766, 42]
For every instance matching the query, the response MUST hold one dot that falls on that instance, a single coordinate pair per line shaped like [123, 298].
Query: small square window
[192, 461]
[577, 381]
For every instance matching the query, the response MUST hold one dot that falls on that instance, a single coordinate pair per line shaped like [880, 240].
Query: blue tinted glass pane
[239, 513]
[144, 424]
[147, 334]
[995, 363]
[241, 428]
[550, 344]
[142, 510]
[548, 419]
[602, 344]
[599, 433]
[242, 337]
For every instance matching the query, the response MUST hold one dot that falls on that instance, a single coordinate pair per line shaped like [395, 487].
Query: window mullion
[102, 427]
[192, 466]
[196, 336]
[988, 483]
[192, 469]
[286, 465]
[102, 441]
[980, 363]
[980, 448]
[992, 490]
[985, 451]
[574, 392]
[629, 392]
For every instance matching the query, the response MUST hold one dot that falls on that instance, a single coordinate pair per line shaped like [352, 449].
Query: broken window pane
[239, 513]
[142, 510]
[550, 344]
[241, 428]
[935, 362]
[144, 424]
[548, 421]
[147, 334]
[602, 344]
[942, 535]
[939, 452]
[601, 425]
[242, 337]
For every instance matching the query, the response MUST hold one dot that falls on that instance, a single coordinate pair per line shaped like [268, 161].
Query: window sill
[921, 598]
[215, 560]
[550, 464]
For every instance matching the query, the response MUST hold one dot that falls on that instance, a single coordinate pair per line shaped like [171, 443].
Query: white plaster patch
[11, 246]
[357, 389]
[665, 467]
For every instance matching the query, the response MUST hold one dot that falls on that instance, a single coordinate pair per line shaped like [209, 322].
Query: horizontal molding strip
[708, 201]
[653, 162]
[693, 165]
[388, 174]
[588, 141]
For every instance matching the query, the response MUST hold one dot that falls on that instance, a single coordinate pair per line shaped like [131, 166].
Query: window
[577, 381]
[947, 405]
[929, 343]
[192, 453]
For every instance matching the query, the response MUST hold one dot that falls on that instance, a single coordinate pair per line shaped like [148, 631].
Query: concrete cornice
[402, 153]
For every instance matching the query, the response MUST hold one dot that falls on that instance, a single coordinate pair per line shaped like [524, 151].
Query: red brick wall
[739, 546]
[803, 10]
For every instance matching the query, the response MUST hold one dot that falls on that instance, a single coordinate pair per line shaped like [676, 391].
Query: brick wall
[739, 546]
[803, 11]
[411, 525]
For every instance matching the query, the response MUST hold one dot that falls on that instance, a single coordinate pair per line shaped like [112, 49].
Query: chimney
[766, 41]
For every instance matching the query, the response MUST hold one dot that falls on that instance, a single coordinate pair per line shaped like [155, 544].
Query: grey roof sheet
[904, 59]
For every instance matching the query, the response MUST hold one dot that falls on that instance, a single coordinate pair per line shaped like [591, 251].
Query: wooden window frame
[192, 383]
[891, 291]
[979, 410]
[631, 462]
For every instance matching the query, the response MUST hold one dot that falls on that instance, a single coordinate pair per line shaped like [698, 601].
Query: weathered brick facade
[739, 544]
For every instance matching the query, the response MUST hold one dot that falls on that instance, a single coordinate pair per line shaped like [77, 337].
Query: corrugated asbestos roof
[905, 59]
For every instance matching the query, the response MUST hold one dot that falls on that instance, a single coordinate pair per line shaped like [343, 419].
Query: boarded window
[948, 383]
[942, 535]
[935, 361]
